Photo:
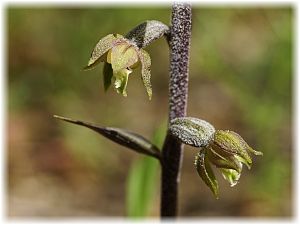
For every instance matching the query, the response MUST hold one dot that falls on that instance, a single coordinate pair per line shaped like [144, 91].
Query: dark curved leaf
[123, 137]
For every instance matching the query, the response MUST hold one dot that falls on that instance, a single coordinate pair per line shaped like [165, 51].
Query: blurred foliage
[141, 186]
[240, 79]
[259, 80]
[143, 180]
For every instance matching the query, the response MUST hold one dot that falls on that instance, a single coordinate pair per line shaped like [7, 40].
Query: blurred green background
[240, 79]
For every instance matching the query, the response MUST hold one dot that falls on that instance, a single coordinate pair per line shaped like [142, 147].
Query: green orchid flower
[226, 150]
[120, 57]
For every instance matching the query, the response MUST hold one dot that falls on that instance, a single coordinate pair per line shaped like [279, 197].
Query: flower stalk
[172, 152]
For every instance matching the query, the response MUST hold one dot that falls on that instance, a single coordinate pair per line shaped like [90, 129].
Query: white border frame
[232, 3]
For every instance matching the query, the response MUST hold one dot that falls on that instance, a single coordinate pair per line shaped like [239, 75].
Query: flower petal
[123, 56]
[231, 143]
[107, 75]
[103, 45]
[206, 173]
[228, 162]
[254, 151]
[146, 71]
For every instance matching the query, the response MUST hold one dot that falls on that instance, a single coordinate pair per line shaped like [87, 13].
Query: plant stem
[172, 153]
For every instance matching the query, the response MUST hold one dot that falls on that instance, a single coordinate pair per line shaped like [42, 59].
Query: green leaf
[123, 137]
[141, 187]
[192, 131]
[142, 182]
[103, 45]
[146, 71]
[206, 173]
[160, 134]
[107, 75]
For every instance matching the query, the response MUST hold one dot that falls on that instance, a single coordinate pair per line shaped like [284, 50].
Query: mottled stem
[179, 40]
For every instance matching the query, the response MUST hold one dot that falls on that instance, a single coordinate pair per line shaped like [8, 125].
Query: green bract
[120, 56]
[226, 150]
[192, 131]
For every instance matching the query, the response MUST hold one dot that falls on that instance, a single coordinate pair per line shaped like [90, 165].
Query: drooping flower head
[226, 150]
[120, 57]
[123, 54]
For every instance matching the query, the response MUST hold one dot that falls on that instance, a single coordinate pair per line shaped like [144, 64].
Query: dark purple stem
[180, 35]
